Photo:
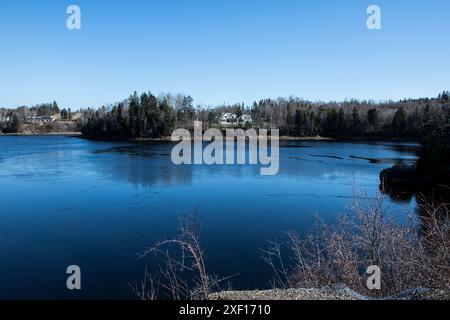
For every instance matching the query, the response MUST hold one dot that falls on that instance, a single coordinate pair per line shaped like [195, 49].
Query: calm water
[67, 201]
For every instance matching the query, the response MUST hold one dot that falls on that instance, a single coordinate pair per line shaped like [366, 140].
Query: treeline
[11, 120]
[45, 109]
[148, 116]
[294, 117]
[434, 156]
[144, 116]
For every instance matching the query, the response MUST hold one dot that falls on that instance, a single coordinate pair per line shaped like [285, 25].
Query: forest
[148, 116]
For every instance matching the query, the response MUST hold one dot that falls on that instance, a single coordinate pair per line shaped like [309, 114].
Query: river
[68, 201]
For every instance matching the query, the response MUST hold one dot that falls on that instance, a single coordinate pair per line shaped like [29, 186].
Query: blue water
[66, 201]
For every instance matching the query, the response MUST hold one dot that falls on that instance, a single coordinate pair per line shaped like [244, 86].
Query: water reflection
[149, 163]
[144, 165]
[432, 210]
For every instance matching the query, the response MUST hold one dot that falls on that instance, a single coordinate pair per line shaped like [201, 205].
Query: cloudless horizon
[222, 51]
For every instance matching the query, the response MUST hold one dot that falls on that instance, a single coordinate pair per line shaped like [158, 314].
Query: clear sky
[222, 50]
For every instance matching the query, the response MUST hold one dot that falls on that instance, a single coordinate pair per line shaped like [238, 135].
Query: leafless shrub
[411, 255]
[182, 272]
[147, 289]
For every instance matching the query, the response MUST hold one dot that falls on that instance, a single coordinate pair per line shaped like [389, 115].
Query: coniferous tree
[332, 122]
[399, 123]
[372, 118]
[298, 123]
[356, 121]
[341, 123]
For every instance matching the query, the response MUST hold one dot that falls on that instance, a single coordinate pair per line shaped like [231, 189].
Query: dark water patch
[326, 156]
[293, 146]
[371, 160]
[312, 195]
[407, 149]
[307, 160]
[397, 161]
[142, 151]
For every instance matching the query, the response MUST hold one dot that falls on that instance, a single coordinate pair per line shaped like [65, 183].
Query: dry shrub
[415, 254]
[181, 269]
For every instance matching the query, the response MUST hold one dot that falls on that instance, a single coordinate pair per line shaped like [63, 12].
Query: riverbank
[281, 138]
[169, 139]
[335, 293]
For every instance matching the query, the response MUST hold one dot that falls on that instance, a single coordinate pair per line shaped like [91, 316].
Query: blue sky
[222, 50]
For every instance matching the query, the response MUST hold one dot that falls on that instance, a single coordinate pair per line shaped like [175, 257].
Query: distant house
[228, 119]
[5, 119]
[245, 118]
[77, 116]
[40, 119]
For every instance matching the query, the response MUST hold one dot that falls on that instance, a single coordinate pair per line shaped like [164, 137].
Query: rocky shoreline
[337, 292]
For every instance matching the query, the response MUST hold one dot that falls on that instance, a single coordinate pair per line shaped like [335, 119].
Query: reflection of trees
[143, 165]
[428, 179]
[397, 194]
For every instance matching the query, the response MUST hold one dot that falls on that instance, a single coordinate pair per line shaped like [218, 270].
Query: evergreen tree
[298, 123]
[64, 114]
[133, 116]
[16, 124]
[399, 123]
[289, 123]
[55, 108]
[341, 123]
[372, 118]
[356, 121]
[331, 122]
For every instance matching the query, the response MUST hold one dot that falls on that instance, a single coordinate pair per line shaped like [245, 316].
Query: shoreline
[168, 139]
[21, 134]
[281, 139]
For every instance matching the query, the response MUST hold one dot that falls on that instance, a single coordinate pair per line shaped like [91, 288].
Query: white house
[245, 118]
[40, 119]
[228, 118]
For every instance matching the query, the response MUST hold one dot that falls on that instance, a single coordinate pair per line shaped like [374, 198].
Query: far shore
[282, 138]
[168, 139]
[28, 134]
